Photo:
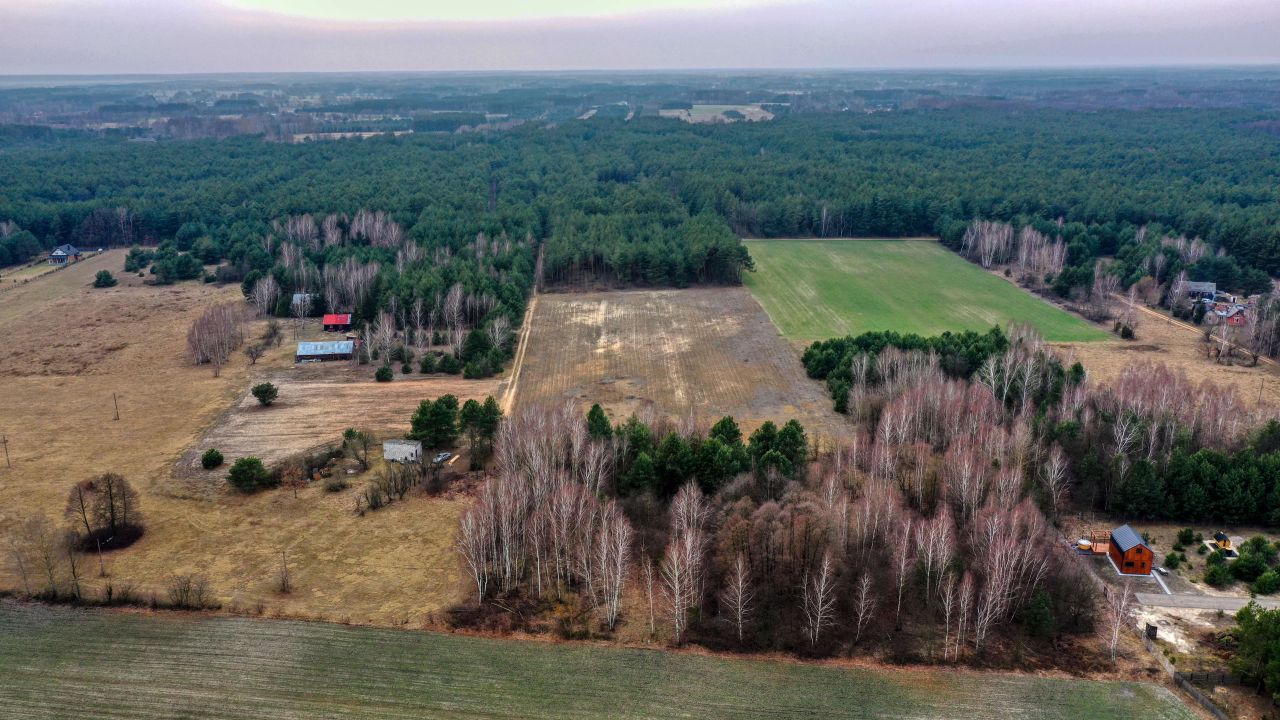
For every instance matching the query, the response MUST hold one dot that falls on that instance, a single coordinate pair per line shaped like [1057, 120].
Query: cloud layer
[172, 36]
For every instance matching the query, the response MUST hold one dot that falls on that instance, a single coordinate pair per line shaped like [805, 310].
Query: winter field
[63, 663]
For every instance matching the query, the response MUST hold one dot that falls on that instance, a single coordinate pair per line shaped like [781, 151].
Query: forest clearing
[56, 409]
[819, 289]
[129, 666]
[708, 352]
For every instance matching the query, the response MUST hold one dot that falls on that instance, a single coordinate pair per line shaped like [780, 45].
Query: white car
[442, 458]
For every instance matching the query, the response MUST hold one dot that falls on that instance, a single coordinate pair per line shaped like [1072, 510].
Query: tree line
[658, 202]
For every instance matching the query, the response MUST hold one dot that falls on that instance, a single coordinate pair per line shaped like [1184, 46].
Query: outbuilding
[323, 351]
[402, 451]
[64, 255]
[1129, 553]
[335, 322]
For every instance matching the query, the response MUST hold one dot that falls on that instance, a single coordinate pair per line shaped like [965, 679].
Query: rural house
[322, 351]
[402, 451]
[1201, 290]
[337, 323]
[1129, 553]
[64, 254]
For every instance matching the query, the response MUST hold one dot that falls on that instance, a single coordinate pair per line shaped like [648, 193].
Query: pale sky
[182, 36]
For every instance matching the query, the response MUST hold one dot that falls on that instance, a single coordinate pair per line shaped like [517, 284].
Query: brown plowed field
[708, 352]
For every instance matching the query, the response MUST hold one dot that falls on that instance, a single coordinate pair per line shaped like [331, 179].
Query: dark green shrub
[383, 374]
[104, 279]
[427, 364]
[449, 365]
[407, 369]
[211, 459]
[1172, 561]
[1217, 576]
[1267, 583]
[266, 393]
[248, 474]
[1186, 536]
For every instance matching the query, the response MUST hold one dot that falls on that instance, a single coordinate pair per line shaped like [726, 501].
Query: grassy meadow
[58, 662]
[819, 289]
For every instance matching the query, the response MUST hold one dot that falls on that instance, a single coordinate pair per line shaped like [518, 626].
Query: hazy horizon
[181, 37]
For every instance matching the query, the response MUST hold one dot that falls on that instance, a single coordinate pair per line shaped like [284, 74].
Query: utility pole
[116, 403]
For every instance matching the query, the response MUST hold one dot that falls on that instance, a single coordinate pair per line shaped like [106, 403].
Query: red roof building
[337, 323]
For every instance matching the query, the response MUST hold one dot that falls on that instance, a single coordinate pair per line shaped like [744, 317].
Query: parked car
[442, 458]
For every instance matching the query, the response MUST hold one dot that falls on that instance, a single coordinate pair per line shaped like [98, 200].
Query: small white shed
[402, 451]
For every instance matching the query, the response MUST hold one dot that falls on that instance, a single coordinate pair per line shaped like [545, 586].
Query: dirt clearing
[707, 351]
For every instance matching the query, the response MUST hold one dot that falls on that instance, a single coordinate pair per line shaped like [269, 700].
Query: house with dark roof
[1129, 553]
[64, 255]
[1200, 290]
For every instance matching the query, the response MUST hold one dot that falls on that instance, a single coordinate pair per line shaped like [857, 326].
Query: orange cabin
[1129, 553]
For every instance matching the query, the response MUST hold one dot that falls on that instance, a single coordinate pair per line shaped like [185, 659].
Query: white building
[402, 451]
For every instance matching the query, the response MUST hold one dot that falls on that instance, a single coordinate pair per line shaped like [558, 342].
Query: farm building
[1128, 552]
[321, 351]
[1234, 316]
[1201, 290]
[64, 255]
[402, 451]
[337, 323]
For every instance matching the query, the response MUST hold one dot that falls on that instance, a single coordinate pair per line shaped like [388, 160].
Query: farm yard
[305, 418]
[70, 347]
[708, 352]
[820, 289]
[64, 663]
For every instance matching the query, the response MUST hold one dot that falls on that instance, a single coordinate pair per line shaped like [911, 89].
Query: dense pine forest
[658, 202]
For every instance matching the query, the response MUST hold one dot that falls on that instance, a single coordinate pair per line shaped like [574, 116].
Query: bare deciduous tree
[819, 600]
[864, 606]
[737, 595]
[1120, 609]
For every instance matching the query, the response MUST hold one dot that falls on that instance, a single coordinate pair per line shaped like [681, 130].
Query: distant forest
[662, 203]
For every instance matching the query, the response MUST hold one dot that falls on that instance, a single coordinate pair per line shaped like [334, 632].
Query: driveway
[1202, 602]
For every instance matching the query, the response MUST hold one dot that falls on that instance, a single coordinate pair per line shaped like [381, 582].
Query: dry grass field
[1160, 340]
[707, 352]
[68, 347]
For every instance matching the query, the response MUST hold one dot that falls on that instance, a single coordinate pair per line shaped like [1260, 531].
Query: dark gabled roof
[1201, 287]
[1126, 538]
[66, 250]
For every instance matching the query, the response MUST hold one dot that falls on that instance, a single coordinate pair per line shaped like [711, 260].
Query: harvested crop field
[68, 348]
[708, 352]
[316, 403]
[820, 289]
[64, 663]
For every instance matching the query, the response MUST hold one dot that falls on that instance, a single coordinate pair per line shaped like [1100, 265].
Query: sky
[187, 36]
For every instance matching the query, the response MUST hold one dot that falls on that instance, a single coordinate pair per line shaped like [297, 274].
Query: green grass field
[819, 289]
[64, 663]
